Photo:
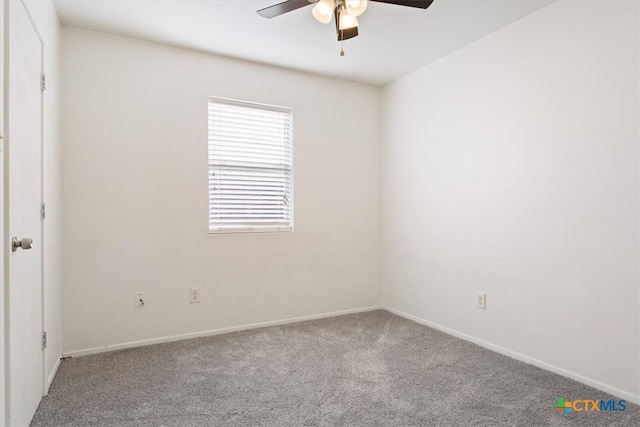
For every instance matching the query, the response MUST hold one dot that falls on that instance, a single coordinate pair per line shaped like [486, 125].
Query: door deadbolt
[24, 244]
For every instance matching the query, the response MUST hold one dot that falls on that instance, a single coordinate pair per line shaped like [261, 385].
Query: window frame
[260, 229]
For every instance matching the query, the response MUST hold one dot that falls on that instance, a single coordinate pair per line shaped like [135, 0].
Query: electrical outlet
[141, 299]
[481, 300]
[195, 295]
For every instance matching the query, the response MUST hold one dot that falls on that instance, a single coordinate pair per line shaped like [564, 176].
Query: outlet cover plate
[481, 300]
[141, 299]
[194, 295]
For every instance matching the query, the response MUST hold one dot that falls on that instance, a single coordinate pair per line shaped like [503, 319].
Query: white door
[24, 150]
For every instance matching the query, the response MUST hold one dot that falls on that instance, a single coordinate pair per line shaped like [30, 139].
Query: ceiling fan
[345, 12]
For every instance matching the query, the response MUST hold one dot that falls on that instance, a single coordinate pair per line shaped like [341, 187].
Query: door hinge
[43, 210]
[43, 82]
[44, 340]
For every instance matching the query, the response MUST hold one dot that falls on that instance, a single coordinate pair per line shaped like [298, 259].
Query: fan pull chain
[342, 43]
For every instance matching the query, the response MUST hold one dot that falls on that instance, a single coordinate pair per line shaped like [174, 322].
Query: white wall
[511, 167]
[134, 186]
[46, 20]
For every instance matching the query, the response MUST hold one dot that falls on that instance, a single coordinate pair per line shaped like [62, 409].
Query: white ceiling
[393, 40]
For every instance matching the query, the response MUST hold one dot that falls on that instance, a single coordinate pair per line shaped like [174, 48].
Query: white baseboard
[521, 357]
[113, 347]
[52, 375]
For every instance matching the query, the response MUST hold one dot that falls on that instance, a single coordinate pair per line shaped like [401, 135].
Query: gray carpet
[369, 369]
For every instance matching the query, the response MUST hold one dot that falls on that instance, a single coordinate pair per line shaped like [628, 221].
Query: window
[250, 167]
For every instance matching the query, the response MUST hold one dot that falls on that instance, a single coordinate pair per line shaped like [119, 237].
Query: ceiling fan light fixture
[356, 7]
[347, 21]
[323, 10]
[345, 12]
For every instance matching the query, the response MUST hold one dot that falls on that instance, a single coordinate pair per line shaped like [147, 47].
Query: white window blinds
[250, 170]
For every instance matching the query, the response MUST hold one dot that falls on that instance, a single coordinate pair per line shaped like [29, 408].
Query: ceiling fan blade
[284, 7]
[347, 34]
[421, 4]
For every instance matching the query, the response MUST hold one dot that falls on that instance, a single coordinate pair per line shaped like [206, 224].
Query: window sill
[251, 230]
